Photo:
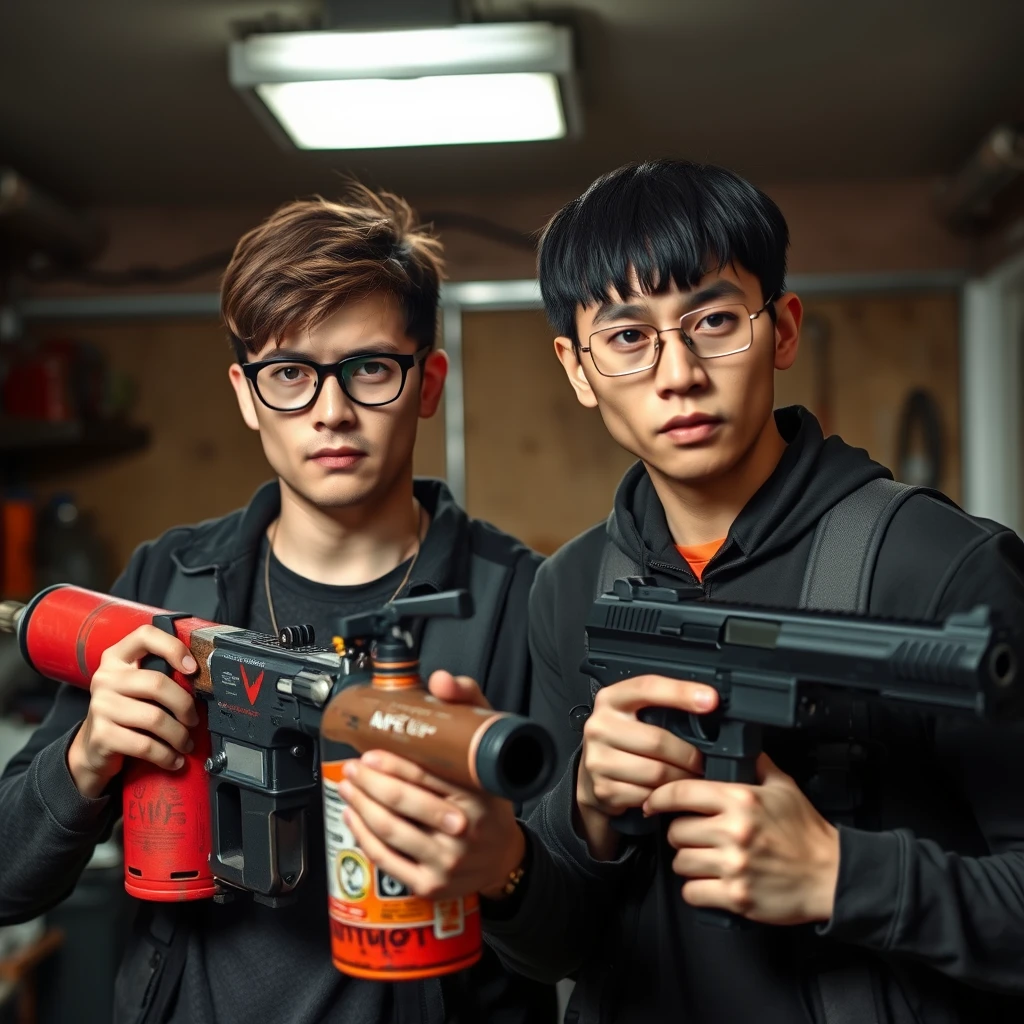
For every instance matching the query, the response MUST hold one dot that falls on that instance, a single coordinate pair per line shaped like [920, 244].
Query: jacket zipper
[704, 583]
[674, 569]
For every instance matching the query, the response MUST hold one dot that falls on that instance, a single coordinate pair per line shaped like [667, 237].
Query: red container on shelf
[18, 536]
[38, 386]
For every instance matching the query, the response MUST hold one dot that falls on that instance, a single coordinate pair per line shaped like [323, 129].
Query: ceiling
[127, 101]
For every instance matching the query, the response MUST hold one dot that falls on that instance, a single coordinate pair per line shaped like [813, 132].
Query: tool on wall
[919, 445]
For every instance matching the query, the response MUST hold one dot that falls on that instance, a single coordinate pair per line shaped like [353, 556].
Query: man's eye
[630, 336]
[289, 374]
[715, 321]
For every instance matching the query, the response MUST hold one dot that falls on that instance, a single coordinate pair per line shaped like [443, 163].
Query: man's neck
[705, 513]
[347, 546]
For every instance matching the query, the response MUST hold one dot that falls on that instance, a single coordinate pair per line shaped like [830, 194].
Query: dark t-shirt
[282, 955]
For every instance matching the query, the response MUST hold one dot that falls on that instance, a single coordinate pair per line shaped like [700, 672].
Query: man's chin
[335, 492]
[354, 493]
[690, 466]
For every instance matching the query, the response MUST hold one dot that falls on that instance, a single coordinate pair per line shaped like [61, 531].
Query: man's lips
[327, 453]
[695, 419]
[697, 426]
[338, 458]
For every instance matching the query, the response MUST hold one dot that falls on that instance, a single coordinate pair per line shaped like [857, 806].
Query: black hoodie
[930, 895]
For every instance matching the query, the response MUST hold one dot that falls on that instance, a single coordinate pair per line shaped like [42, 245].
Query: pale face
[336, 453]
[689, 419]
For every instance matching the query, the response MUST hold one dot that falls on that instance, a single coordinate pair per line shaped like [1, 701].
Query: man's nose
[333, 408]
[678, 369]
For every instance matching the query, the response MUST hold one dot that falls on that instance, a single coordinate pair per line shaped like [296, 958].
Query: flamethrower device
[234, 818]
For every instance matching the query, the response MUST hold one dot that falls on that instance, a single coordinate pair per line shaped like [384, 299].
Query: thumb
[456, 689]
[768, 771]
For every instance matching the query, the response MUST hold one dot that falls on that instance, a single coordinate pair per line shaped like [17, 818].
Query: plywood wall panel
[537, 463]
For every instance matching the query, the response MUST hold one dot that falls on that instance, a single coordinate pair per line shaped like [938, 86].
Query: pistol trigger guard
[696, 737]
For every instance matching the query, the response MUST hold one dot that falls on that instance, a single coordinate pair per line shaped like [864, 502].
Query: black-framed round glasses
[291, 383]
[724, 329]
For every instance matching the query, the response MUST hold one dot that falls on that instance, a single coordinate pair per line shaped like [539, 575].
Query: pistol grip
[633, 823]
[714, 918]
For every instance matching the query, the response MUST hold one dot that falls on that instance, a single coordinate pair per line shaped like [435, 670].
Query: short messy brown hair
[311, 256]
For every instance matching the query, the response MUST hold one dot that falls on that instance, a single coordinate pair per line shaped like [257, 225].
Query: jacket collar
[813, 474]
[227, 546]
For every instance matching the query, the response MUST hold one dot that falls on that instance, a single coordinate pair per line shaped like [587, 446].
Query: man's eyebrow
[379, 348]
[610, 311]
[721, 289]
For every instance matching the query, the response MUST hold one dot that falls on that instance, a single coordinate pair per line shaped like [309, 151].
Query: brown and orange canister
[379, 929]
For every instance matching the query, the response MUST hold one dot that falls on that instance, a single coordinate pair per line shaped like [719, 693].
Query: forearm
[963, 916]
[47, 828]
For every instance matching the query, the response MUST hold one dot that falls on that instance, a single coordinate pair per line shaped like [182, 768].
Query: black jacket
[48, 830]
[931, 882]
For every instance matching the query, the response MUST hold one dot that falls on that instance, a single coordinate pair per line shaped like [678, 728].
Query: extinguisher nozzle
[10, 616]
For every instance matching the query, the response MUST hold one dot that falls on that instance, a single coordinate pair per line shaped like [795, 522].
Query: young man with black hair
[666, 284]
[332, 309]
[889, 890]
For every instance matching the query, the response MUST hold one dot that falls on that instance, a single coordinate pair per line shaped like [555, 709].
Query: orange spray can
[380, 930]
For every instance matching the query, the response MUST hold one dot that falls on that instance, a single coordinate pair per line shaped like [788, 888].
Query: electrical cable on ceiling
[442, 220]
[472, 224]
[215, 261]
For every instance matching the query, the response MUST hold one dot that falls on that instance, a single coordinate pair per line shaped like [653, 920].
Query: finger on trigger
[149, 641]
[661, 691]
[649, 742]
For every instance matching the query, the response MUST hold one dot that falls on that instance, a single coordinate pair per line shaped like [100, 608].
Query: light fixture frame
[528, 46]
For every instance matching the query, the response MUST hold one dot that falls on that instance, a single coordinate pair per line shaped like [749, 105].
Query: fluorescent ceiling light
[416, 87]
[443, 110]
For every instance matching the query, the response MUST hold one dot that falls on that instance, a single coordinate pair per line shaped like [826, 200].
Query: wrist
[511, 867]
[826, 877]
[88, 783]
[593, 826]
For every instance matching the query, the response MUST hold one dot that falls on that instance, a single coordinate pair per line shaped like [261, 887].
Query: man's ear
[574, 371]
[789, 314]
[434, 370]
[243, 392]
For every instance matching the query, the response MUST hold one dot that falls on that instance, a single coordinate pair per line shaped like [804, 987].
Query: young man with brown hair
[879, 864]
[332, 311]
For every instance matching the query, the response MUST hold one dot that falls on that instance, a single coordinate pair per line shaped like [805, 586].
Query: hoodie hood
[813, 474]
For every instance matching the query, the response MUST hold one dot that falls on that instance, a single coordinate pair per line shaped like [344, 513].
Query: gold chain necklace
[270, 548]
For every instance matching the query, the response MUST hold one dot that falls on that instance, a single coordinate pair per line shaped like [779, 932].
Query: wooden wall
[537, 463]
[861, 357]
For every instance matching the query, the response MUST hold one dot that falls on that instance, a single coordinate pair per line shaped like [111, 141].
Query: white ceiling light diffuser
[415, 87]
